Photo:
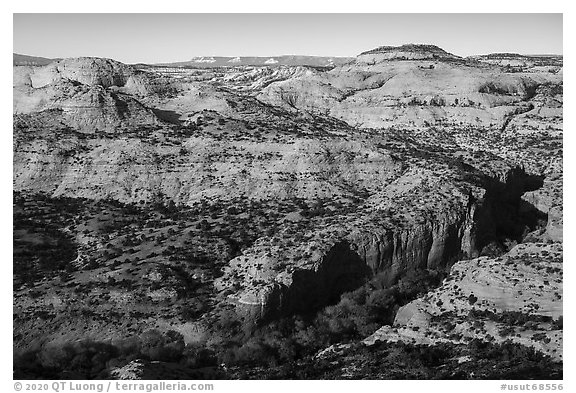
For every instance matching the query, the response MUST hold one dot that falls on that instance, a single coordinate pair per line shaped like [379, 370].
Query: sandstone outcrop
[377, 242]
[412, 86]
[405, 52]
[514, 297]
[86, 70]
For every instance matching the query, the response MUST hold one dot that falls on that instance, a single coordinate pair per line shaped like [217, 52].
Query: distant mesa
[204, 59]
[432, 52]
[503, 56]
[25, 60]
[408, 52]
[516, 59]
[506, 56]
[260, 61]
[414, 48]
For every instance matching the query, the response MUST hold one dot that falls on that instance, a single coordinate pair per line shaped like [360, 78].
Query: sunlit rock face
[514, 297]
[90, 71]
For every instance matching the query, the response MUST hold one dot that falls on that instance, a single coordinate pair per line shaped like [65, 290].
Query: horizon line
[260, 56]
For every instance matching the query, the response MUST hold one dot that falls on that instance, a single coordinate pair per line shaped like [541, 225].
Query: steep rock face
[430, 245]
[504, 216]
[350, 262]
[364, 249]
[554, 228]
[549, 200]
[310, 288]
[275, 278]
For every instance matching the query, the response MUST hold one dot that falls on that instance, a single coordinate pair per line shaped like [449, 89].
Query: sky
[155, 38]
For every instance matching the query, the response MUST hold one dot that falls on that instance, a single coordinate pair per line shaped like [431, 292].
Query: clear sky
[151, 38]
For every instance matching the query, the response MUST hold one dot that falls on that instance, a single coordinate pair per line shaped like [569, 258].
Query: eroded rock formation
[407, 159]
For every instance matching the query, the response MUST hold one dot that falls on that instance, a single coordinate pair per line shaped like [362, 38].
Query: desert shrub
[437, 101]
[85, 358]
[510, 318]
[305, 335]
[55, 356]
[193, 310]
[227, 320]
[128, 347]
[91, 356]
[203, 225]
[232, 210]
[351, 318]
[26, 365]
[414, 101]
[338, 321]
[253, 352]
[167, 346]
[382, 301]
[266, 347]
[506, 331]
[506, 351]
[558, 324]
[198, 356]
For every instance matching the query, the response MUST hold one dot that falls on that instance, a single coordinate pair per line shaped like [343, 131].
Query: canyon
[208, 203]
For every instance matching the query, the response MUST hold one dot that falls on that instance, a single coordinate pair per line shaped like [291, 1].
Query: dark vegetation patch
[40, 246]
[356, 315]
[89, 359]
[168, 116]
[476, 360]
